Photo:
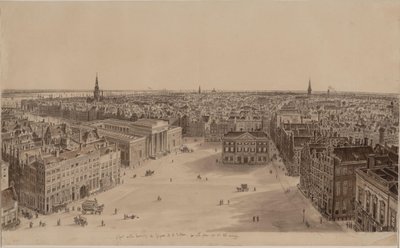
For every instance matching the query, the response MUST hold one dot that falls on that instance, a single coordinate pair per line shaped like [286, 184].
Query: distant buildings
[245, 148]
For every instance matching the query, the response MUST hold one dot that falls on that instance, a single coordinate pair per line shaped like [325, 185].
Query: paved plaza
[190, 211]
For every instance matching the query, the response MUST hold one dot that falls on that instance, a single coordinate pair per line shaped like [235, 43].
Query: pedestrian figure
[206, 179]
[30, 224]
[228, 202]
[115, 211]
[37, 215]
[258, 219]
[347, 224]
[254, 188]
[40, 223]
[320, 220]
[124, 173]
[170, 179]
[102, 222]
[254, 219]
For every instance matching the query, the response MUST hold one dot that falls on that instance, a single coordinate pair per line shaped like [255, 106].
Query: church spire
[199, 90]
[96, 92]
[309, 87]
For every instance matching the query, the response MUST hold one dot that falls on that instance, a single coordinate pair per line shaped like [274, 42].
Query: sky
[226, 45]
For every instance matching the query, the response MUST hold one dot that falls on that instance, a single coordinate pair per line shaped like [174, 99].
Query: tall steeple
[309, 87]
[199, 90]
[96, 92]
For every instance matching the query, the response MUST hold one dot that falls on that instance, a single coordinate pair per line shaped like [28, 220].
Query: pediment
[245, 136]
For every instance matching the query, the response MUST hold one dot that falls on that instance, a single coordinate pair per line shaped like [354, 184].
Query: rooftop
[255, 134]
[353, 153]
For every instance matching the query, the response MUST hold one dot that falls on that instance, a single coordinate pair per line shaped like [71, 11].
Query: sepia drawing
[199, 123]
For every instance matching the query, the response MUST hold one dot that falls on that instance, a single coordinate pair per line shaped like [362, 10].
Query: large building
[160, 137]
[68, 163]
[251, 148]
[376, 198]
[328, 178]
[49, 181]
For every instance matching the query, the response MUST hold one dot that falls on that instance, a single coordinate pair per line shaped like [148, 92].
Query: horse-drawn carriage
[242, 188]
[149, 173]
[92, 206]
[80, 220]
[130, 216]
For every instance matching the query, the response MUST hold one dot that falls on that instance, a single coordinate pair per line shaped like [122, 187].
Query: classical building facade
[155, 133]
[251, 148]
[376, 198]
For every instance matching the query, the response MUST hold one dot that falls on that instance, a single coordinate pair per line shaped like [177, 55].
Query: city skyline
[265, 46]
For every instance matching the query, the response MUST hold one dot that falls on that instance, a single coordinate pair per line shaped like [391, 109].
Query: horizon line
[9, 91]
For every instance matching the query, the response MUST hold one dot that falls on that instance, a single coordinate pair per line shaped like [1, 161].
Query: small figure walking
[30, 224]
[115, 211]
[254, 219]
[254, 188]
[320, 220]
[102, 223]
[170, 180]
[228, 202]
[206, 179]
[258, 218]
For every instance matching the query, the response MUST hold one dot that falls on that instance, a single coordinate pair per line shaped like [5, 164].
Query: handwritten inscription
[176, 235]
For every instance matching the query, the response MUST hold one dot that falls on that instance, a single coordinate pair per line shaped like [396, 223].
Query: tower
[199, 90]
[96, 92]
[309, 87]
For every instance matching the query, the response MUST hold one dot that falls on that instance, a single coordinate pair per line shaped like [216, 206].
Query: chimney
[371, 161]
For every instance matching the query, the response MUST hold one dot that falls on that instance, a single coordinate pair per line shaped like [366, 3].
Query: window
[374, 206]
[381, 212]
[344, 187]
[360, 195]
[393, 218]
[368, 202]
[337, 188]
